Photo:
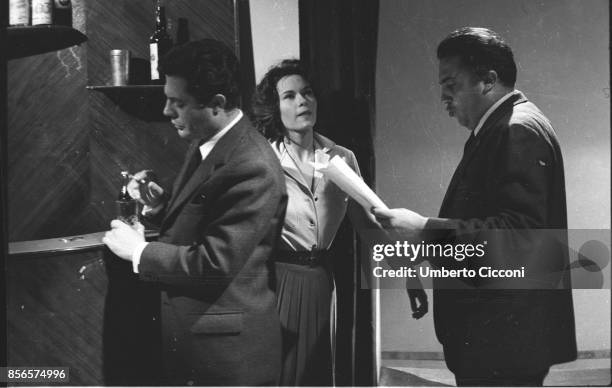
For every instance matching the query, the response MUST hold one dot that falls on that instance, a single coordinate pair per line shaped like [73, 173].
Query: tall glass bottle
[127, 207]
[182, 33]
[159, 43]
[62, 12]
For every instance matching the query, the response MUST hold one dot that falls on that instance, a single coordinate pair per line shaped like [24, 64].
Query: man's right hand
[142, 187]
[402, 223]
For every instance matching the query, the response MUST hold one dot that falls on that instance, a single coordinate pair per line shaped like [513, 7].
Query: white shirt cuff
[136, 255]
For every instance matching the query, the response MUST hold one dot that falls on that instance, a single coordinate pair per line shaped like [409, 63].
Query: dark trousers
[494, 380]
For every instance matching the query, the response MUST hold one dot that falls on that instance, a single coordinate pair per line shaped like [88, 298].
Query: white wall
[561, 47]
[275, 30]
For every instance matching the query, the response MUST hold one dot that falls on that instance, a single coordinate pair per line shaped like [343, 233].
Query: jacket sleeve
[239, 220]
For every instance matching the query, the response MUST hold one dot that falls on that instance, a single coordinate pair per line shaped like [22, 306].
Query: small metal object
[70, 239]
[120, 67]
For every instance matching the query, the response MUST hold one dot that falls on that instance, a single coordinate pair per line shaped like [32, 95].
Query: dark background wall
[561, 47]
[66, 147]
[338, 44]
[48, 142]
[66, 144]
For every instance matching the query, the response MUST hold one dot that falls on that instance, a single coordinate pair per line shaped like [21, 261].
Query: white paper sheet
[345, 178]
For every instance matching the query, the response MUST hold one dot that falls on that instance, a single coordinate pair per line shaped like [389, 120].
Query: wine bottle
[127, 207]
[19, 12]
[42, 12]
[182, 34]
[159, 43]
[62, 12]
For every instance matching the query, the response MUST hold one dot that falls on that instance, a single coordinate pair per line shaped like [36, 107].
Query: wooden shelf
[32, 40]
[143, 101]
[127, 88]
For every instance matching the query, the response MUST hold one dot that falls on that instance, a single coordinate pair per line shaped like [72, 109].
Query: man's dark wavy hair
[480, 50]
[209, 67]
[265, 105]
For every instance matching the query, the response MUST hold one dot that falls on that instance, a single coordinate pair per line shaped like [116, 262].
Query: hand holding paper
[346, 179]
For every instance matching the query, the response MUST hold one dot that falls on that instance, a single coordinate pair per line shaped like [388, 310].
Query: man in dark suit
[508, 188]
[218, 229]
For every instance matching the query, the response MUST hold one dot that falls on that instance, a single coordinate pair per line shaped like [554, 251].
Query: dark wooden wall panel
[86, 311]
[48, 183]
[54, 313]
[67, 146]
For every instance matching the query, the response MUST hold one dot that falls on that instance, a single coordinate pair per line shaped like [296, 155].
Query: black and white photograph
[306, 193]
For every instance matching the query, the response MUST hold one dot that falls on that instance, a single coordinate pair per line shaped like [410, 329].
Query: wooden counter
[71, 302]
[84, 242]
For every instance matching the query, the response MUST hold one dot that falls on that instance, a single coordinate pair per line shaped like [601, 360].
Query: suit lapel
[185, 186]
[467, 156]
[181, 177]
[469, 153]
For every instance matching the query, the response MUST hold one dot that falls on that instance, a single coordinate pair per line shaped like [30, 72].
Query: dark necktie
[194, 162]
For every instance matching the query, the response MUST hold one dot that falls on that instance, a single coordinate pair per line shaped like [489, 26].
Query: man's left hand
[122, 239]
[418, 302]
[417, 296]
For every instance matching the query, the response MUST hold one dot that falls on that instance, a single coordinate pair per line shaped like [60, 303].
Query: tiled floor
[583, 372]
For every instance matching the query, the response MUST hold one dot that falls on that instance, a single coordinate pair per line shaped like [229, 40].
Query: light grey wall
[561, 47]
[276, 32]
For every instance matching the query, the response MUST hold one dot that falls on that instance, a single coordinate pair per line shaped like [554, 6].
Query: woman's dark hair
[265, 105]
[209, 67]
[480, 50]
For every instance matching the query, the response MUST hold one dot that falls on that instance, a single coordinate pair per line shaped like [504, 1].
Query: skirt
[304, 306]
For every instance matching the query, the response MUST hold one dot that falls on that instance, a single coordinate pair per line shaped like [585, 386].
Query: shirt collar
[208, 145]
[320, 143]
[491, 110]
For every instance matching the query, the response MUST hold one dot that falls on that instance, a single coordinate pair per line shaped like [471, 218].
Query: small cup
[120, 67]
